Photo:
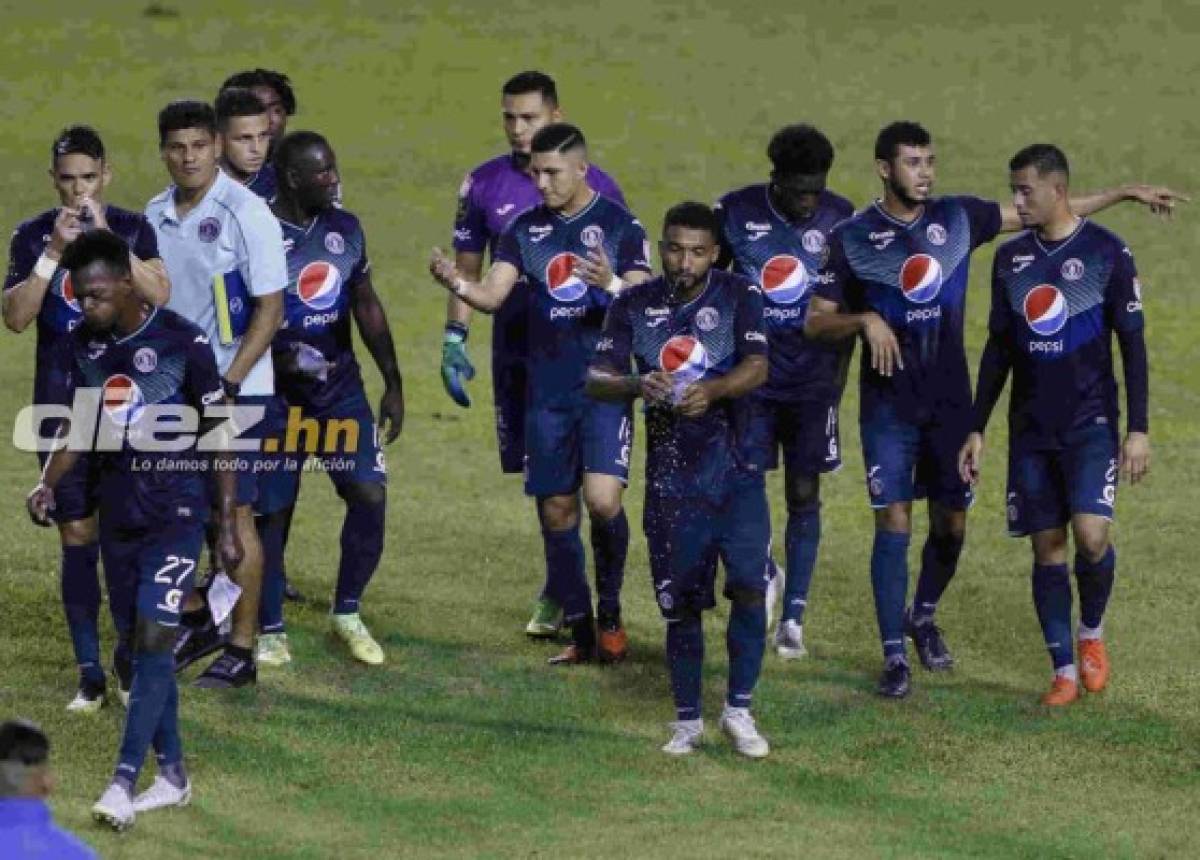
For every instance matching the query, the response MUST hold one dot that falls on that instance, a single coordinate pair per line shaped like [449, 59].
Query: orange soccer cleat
[1093, 664]
[1062, 692]
[613, 645]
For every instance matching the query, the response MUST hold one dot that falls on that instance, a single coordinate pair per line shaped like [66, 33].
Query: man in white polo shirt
[223, 250]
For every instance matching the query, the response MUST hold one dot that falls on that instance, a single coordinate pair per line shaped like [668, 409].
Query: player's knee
[150, 637]
[558, 513]
[946, 524]
[1050, 547]
[603, 506]
[1092, 544]
[893, 518]
[751, 598]
[364, 494]
[79, 532]
[803, 493]
[947, 545]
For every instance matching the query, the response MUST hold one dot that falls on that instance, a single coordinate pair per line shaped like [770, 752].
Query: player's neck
[239, 175]
[130, 319]
[186, 199]
[1059, 227]
[290, 211]
[900, 209]
[580, 201]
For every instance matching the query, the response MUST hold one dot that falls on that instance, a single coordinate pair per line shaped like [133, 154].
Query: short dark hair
[277, 81]
[186, 113]
[77, 140]
[694, 216]
[97, 246]
[800, 150]
[292, 144]
[1043, 157]
[532, 82]
[24, 743]
[234, 102]
[902, 133]
[557, 137]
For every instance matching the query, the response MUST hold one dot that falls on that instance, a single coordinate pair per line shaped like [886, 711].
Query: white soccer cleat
[687, 737]
[114, 808]
[273, 650]
[789, 640]
[774, 589]
[162, 794]
[738, 726]
[84, 704]
[351, 630]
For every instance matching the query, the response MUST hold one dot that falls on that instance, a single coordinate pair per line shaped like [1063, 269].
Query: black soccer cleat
[196, 643]
[228, 672]
[893, 683]
[931, 646]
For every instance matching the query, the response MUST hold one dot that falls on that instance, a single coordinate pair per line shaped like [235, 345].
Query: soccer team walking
[235, 289]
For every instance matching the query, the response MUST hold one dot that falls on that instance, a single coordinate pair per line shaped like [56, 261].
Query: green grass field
[465, 743]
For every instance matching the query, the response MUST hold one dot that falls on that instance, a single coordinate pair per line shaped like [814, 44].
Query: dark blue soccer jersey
[1056, 306]
[314, 348]
[166, 362]
[914, 275]
[264, 183]
[784, 259]
[703, 339]
[566, 313]
[60, 311]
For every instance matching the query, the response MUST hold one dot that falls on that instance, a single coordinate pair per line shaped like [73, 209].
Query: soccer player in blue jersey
[37, 288]
[245, 140]
[274, 90]
[896, 273]
[317, 374]
[575, 251]
[774, 233]
[695, 341]
[141, 359]
[489, 200]
[1060, 291]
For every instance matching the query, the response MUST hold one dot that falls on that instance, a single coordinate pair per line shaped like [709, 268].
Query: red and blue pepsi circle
[1046, 309]
[319, 285]
[684, 357]
[921, 278]
[561, 280]
[122, 398]
[784, 279]
[67, 290]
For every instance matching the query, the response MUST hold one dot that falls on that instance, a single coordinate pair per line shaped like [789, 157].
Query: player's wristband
[455, 332]
[45, 268]
[459, 287]
[615, 285]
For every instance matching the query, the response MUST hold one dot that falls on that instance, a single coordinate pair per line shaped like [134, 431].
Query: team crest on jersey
[592, 236]
[921, 278]
[936, 234]
[813, 241]
[561, 280]
[235, 305]
[319, 285]
[145, 360]
[122, 399]
[1073, 269]
[707, 318]
[208, 230]
[784, 279]
[334, 243]
[1046, 309]
[684, 357]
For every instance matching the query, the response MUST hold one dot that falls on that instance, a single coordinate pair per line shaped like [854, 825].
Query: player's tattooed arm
[825, 320]
[486, 295]
[377, 335]
[264, 322]
[1160, 200]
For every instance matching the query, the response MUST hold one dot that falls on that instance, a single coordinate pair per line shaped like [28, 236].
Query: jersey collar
[1055, 247]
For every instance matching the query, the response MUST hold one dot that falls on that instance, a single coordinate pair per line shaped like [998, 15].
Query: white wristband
[459, 286]
[615, 285]
[45, 268]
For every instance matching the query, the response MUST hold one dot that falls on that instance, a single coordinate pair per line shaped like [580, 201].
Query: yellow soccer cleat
[351, 630]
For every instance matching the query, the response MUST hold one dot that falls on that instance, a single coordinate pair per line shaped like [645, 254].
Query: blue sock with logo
[272, 529]
[1052, 599]
[801, 541]
[168, 748]
[362, 546]
[889, 581]
[80, 586]
[745, 639]
[153, 678]
[939, 561]
[685, 663]
[610, 545]
[567, 573]
[1095, 582]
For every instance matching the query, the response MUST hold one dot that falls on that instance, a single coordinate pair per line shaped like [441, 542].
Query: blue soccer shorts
[907, 460]
[563, 442]
[807, 431]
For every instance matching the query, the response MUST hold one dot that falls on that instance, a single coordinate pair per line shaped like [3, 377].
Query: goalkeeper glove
[456, 367]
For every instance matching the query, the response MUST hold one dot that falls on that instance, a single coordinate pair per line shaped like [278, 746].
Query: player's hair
[277, 81]
[1043, 157]
[97, 246]
[22, 745]
[291, 145]
[532, 82]
[77, 140]
[694, 216]
[186, 113]
[234, 102]
[557, 137]
[800, 150]
[902, 133]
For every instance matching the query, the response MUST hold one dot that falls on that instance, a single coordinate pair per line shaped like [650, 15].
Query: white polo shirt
[232, 228]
